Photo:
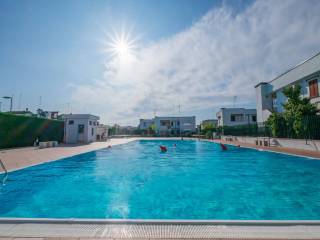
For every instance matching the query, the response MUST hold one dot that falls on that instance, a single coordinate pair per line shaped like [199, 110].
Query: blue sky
[195, 53]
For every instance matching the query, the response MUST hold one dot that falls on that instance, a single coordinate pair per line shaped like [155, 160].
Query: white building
[102, 132]
[269, 96]
[175, 125]
[47, 114]
[80, 128]
[236, 116]
[145, 124]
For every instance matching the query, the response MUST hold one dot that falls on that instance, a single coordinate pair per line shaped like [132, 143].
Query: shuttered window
[313, 88]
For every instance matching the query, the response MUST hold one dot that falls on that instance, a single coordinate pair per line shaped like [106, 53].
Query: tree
[152, 129]
[296, 108]
[208, 130]
[277, 124]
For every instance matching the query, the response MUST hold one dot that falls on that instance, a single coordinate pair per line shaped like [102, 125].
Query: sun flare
[122, 45]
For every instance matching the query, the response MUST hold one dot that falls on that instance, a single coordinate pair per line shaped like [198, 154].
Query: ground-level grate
[159, 230]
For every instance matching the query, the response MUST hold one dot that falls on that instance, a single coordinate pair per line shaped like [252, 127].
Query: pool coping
[157, 229]
[160, 221]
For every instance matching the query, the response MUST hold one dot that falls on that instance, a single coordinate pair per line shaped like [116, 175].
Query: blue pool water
[194, 180]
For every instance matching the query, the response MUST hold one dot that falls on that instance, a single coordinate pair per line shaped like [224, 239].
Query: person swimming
[163, 148]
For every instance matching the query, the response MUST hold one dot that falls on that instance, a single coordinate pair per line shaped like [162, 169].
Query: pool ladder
[5, 172]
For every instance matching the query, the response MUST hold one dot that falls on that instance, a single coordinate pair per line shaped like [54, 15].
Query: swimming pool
[194, 180]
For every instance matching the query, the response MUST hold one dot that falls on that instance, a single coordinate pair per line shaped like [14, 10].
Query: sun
[121, 45]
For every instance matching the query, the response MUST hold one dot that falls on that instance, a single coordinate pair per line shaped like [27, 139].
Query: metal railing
[5, 173]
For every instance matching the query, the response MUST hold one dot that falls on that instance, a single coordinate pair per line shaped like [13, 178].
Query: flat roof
[79, 116]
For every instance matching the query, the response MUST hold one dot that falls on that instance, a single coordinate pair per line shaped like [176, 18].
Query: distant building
[127, 130]
[236, 116]
[269, 96]
[145, 124]
[80, 128]
[175, 125]
[23, 113]
[47, 114]
[102, 132]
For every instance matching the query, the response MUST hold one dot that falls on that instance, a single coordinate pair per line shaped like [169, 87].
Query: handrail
[5, 171]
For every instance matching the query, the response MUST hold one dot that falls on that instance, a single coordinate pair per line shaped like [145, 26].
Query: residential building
[269, 95]
[102, 132]
[175, 125]
[145, 124]
[47, 114]
[236, 116]
[80, 128]
[23, 113]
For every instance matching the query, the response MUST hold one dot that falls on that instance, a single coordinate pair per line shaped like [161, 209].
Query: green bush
[20, 131]
[278, 125]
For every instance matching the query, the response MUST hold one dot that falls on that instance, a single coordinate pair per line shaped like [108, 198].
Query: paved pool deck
[293, 151]
[18, 158]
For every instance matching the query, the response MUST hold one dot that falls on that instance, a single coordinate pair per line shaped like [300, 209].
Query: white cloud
[222, 55]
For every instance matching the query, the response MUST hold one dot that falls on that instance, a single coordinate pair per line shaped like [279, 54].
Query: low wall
[311, 145]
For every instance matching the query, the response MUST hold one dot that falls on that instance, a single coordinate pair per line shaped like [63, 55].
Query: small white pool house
[80, 128]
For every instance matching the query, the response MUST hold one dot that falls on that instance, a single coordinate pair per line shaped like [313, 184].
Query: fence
[19, 131]
[307, 128]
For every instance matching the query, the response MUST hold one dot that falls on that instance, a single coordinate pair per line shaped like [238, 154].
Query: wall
[20, 131]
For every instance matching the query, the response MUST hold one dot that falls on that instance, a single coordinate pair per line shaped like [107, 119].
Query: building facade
[236, 116]
[175, 125]
[145, 124]
[80, 128]
[269, 96]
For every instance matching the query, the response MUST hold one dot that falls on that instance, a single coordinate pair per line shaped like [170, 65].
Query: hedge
[311, 129]
[20, 131]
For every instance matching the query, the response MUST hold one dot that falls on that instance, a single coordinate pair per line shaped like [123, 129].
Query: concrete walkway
[293, 151]
[18, 158]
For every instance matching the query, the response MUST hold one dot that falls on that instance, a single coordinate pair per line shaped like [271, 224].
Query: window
[92, 131]
[165, 123]
[80, 128]
[90, 122]
[236, 117]
[313, 88]
[254, 118]
[71, 122]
